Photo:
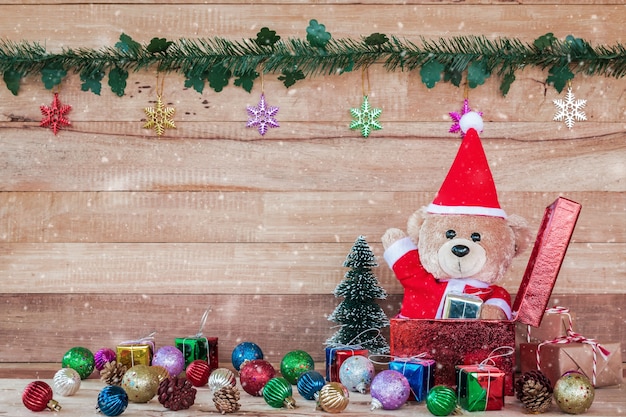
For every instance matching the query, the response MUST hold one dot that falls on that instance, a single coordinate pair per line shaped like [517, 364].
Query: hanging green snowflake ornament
[365, 118]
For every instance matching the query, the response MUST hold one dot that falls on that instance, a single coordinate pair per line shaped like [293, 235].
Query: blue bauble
[112, 400]
[310, 383]
[245, 351]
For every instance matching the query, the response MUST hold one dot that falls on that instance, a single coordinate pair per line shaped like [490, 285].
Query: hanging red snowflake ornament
[262, 116]
[54, 116]
[456, 118]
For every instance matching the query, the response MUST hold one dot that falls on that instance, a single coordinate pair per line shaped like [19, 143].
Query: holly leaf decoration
[196, 81]
[477, 73]
[290, 77]
[12, 80]
[218, 77]
[158, 45]
[431, 73]
[453, 76]
[507, 80]
[92, 82]
[559, 76]
[127, 44]
[578, 47]
[246, 80]
[266, 37]
[376, 39]
[544, 41]
[52, 75]
[316, 34]
[117, 80]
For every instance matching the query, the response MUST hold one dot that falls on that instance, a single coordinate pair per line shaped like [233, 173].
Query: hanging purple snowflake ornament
[456, 117]
[262, 116]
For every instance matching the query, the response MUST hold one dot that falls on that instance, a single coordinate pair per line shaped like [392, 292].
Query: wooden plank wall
[108, 232]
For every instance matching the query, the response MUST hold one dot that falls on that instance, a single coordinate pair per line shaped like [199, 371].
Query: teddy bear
[461, 243]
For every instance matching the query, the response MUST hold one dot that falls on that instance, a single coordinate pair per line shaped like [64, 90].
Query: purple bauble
[170, 358]
[390, 390]
[104, 356]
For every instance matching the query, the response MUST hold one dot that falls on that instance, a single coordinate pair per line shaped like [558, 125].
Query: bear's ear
[414, 224]
[521, 231]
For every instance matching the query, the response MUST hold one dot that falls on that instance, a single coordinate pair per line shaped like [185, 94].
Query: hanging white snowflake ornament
[365, 118]
[262, 116]
[570, 109]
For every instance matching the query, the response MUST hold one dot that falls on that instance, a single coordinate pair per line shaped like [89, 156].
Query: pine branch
[196, 57]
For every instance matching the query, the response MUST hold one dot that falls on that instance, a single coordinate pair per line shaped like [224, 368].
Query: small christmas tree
[361, 318]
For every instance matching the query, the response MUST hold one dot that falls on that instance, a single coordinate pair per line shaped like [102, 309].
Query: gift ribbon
[200, 334]
[146, 340]
[553, 310]
[573, 337]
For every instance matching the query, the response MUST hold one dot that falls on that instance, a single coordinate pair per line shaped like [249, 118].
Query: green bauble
[79, 359]
[441, 400]
[294, 364]
[574, 393]
[277, 393]
[141, 383]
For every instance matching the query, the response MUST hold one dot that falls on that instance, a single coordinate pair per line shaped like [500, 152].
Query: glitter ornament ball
[253, 376]
[390, 390]
[441, 400]
[278, 393]
[333, 398]
[37, 396]
[356, 374]
[104, 356]
[294, 364]
[573, 393]
[79, 359]
[220, 378]
[245, 351]
[112, 400]
[309, 384]
[160, 372]
[140, 383]
[66, 382]
[198, 372]
[171, 359]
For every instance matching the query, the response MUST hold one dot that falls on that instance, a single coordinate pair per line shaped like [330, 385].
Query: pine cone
[534, 390]
[176, 393]
[226, 399]
[112, 373]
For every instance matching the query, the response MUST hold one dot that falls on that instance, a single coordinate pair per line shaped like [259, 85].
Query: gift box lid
[545, 261]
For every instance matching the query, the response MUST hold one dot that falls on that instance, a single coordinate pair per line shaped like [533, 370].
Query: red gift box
[449, 342]
[337, 356]
[480, 387]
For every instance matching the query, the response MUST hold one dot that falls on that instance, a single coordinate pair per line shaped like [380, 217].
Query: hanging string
[365, 76]
[159, 89]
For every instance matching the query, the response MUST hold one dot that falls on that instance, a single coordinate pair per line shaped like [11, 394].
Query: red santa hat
[468, 187]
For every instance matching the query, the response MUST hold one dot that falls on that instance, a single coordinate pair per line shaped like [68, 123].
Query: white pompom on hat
[468, 188]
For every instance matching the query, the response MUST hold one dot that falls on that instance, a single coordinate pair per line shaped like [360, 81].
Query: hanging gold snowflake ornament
[570, 109]
[159, 117]
[365, 118]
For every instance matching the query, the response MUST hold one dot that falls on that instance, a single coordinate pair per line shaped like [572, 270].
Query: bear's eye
[475, 237]
[450, 234]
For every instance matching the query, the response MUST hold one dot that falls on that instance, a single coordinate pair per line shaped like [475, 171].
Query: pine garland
[218, 59]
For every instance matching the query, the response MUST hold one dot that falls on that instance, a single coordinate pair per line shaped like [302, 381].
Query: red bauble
[37, 396]
[254, 374]
[198, 372]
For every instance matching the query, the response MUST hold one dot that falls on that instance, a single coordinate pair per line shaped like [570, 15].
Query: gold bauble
[140, 383]
[574, 393]
[160, 372]
[333, 398]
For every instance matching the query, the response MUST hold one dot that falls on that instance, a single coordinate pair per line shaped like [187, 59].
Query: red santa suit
[424, 296]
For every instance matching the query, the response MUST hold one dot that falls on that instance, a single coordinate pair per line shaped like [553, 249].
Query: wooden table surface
[609, 401]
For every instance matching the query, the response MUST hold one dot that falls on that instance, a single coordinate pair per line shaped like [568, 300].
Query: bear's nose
[460, 250]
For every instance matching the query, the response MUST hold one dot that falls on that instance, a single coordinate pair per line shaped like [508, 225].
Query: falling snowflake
[159, 117]
[570, 109]
[54, 115]
[365, 118]
[262, 116]
[456, 117]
